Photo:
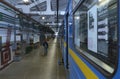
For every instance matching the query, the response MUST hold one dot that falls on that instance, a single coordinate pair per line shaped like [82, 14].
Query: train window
[95, 25]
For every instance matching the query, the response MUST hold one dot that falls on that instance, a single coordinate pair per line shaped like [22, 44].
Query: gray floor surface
[36, 66]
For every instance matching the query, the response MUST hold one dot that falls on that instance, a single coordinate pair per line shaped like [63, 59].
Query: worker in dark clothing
[45, 45]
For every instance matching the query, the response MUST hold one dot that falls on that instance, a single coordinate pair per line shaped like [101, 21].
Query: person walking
[45, 45]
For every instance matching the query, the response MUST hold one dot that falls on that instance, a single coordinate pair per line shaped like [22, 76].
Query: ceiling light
[43, 17]
[103, 2]
[100, 0]
[26, 1]
[77, 17]
[48, 23]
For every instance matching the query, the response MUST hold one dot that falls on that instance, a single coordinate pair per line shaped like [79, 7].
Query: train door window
[95, 35]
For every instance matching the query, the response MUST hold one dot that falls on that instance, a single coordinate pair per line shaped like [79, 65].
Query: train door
[66, 42]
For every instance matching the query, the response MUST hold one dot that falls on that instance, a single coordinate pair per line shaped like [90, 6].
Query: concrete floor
[36, 66]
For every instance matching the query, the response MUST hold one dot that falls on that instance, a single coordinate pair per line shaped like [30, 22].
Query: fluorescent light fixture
[103, 2]
[56, 33]
[77, 17]
[43, 17]
[48, 23]
[26, 1]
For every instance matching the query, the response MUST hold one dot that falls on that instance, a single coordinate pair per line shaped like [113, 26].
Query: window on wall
[95, 35]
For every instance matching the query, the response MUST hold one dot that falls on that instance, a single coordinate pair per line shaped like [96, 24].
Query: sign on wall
[5, 56]
[92, 29]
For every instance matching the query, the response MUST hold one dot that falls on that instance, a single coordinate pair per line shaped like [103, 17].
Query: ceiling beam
[26, 9]
[45, 12]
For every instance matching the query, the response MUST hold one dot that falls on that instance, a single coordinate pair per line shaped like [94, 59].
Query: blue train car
[91, 39]
[65, 48]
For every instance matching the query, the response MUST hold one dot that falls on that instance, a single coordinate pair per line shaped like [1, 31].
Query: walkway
[36, 66]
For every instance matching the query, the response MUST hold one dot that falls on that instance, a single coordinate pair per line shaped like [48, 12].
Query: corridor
[36, 66]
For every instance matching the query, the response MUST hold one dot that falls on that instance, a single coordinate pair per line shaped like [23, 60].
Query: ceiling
[37, 9]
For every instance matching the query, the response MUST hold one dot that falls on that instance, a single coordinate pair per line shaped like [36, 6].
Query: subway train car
[91, 39]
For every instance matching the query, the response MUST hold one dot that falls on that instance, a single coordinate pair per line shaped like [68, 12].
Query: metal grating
[13, 2]
[62, 5]
[39, 7]
[53, 5]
